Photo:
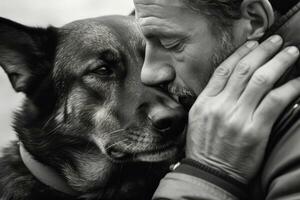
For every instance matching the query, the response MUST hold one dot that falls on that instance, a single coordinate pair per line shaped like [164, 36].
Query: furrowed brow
[152, 31]
[147, 10]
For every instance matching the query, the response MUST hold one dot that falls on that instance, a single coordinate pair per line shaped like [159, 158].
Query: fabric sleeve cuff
[222, 180]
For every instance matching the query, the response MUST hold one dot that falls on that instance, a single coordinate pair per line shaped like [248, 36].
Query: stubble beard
[226, 46]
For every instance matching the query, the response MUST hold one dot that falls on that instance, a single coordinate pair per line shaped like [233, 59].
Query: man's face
[182, 50]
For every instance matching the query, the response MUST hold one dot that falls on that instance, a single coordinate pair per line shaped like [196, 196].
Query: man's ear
[26, 54]
[259, 15]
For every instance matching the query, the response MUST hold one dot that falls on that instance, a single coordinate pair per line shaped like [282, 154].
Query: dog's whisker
[116, 143]
[114, 132]
[128, 146]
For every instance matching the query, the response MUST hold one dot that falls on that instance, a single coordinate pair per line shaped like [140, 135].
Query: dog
[88, 128]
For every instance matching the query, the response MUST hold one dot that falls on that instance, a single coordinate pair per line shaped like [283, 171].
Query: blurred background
[43, 13]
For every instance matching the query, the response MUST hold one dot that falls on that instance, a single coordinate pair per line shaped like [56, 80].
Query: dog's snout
[167, 120]
[166, 116]
[160, 119]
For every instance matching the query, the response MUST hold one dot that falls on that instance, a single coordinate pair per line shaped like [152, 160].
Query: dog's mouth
[167, 152]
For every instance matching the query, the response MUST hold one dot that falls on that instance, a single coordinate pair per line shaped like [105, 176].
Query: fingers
[276, 101]
[250, 63]
[265, 77]
[223, 72]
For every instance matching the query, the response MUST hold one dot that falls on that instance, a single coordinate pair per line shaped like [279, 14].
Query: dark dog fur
[86, 114]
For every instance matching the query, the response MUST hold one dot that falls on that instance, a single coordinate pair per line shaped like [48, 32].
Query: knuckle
[256, 130]
[233, 121]
[252, 137]
[246, 48]
[242, 52]
[252, 134]
[222, 71]
[232, 126]
[275, 98]
[247, 131]
[243, 68]
[260, 79]
[210, 113]
[216, 111]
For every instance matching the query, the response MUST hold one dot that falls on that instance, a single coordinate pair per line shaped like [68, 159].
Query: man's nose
[157, 68]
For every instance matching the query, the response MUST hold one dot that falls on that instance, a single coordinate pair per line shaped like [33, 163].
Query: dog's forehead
[109, 30]
[86, 40]
[88, 37]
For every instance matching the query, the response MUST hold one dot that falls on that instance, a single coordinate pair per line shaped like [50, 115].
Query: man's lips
[182, 95]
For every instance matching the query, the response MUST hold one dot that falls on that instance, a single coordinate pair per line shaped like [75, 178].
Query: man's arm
[180, 186]
[231, 141]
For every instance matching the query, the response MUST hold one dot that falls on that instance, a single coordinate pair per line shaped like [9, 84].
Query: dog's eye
[103, 70]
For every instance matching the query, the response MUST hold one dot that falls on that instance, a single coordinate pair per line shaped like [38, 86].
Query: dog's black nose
[162, 123]
[167, 120]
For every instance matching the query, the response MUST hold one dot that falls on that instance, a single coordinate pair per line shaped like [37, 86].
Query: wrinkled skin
[232, 104]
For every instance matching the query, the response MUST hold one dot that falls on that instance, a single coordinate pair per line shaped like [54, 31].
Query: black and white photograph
[149, 100]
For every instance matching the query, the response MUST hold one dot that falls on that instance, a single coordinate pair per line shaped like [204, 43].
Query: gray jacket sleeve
[280, 178]
[178, 186]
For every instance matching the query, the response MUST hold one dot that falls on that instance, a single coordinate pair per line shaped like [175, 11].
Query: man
[231, 120]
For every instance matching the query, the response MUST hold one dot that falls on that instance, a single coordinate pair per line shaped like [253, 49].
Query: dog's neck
[44, 173]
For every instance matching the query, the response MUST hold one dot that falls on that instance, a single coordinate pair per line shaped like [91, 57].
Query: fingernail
[251, 44]
[275, 39]
[292, 50]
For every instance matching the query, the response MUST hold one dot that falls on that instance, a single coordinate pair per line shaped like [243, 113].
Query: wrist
[219, 166]
[213, 175]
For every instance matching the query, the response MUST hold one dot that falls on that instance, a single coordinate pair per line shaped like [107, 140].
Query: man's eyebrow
[154, 8]
[157, 2]
[151, 31]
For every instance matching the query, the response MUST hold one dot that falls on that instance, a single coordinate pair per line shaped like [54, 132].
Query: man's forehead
[155, 7]
[161, 18]
[158, 2]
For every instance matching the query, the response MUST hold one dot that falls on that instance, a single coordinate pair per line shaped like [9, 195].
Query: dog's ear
[26, 54]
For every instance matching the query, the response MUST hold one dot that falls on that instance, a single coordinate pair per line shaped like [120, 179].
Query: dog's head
[86, 113]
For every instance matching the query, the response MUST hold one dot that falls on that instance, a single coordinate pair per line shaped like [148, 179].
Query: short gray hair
[221, 12]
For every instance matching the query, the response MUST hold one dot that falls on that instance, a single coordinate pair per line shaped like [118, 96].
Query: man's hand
[230, 123]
